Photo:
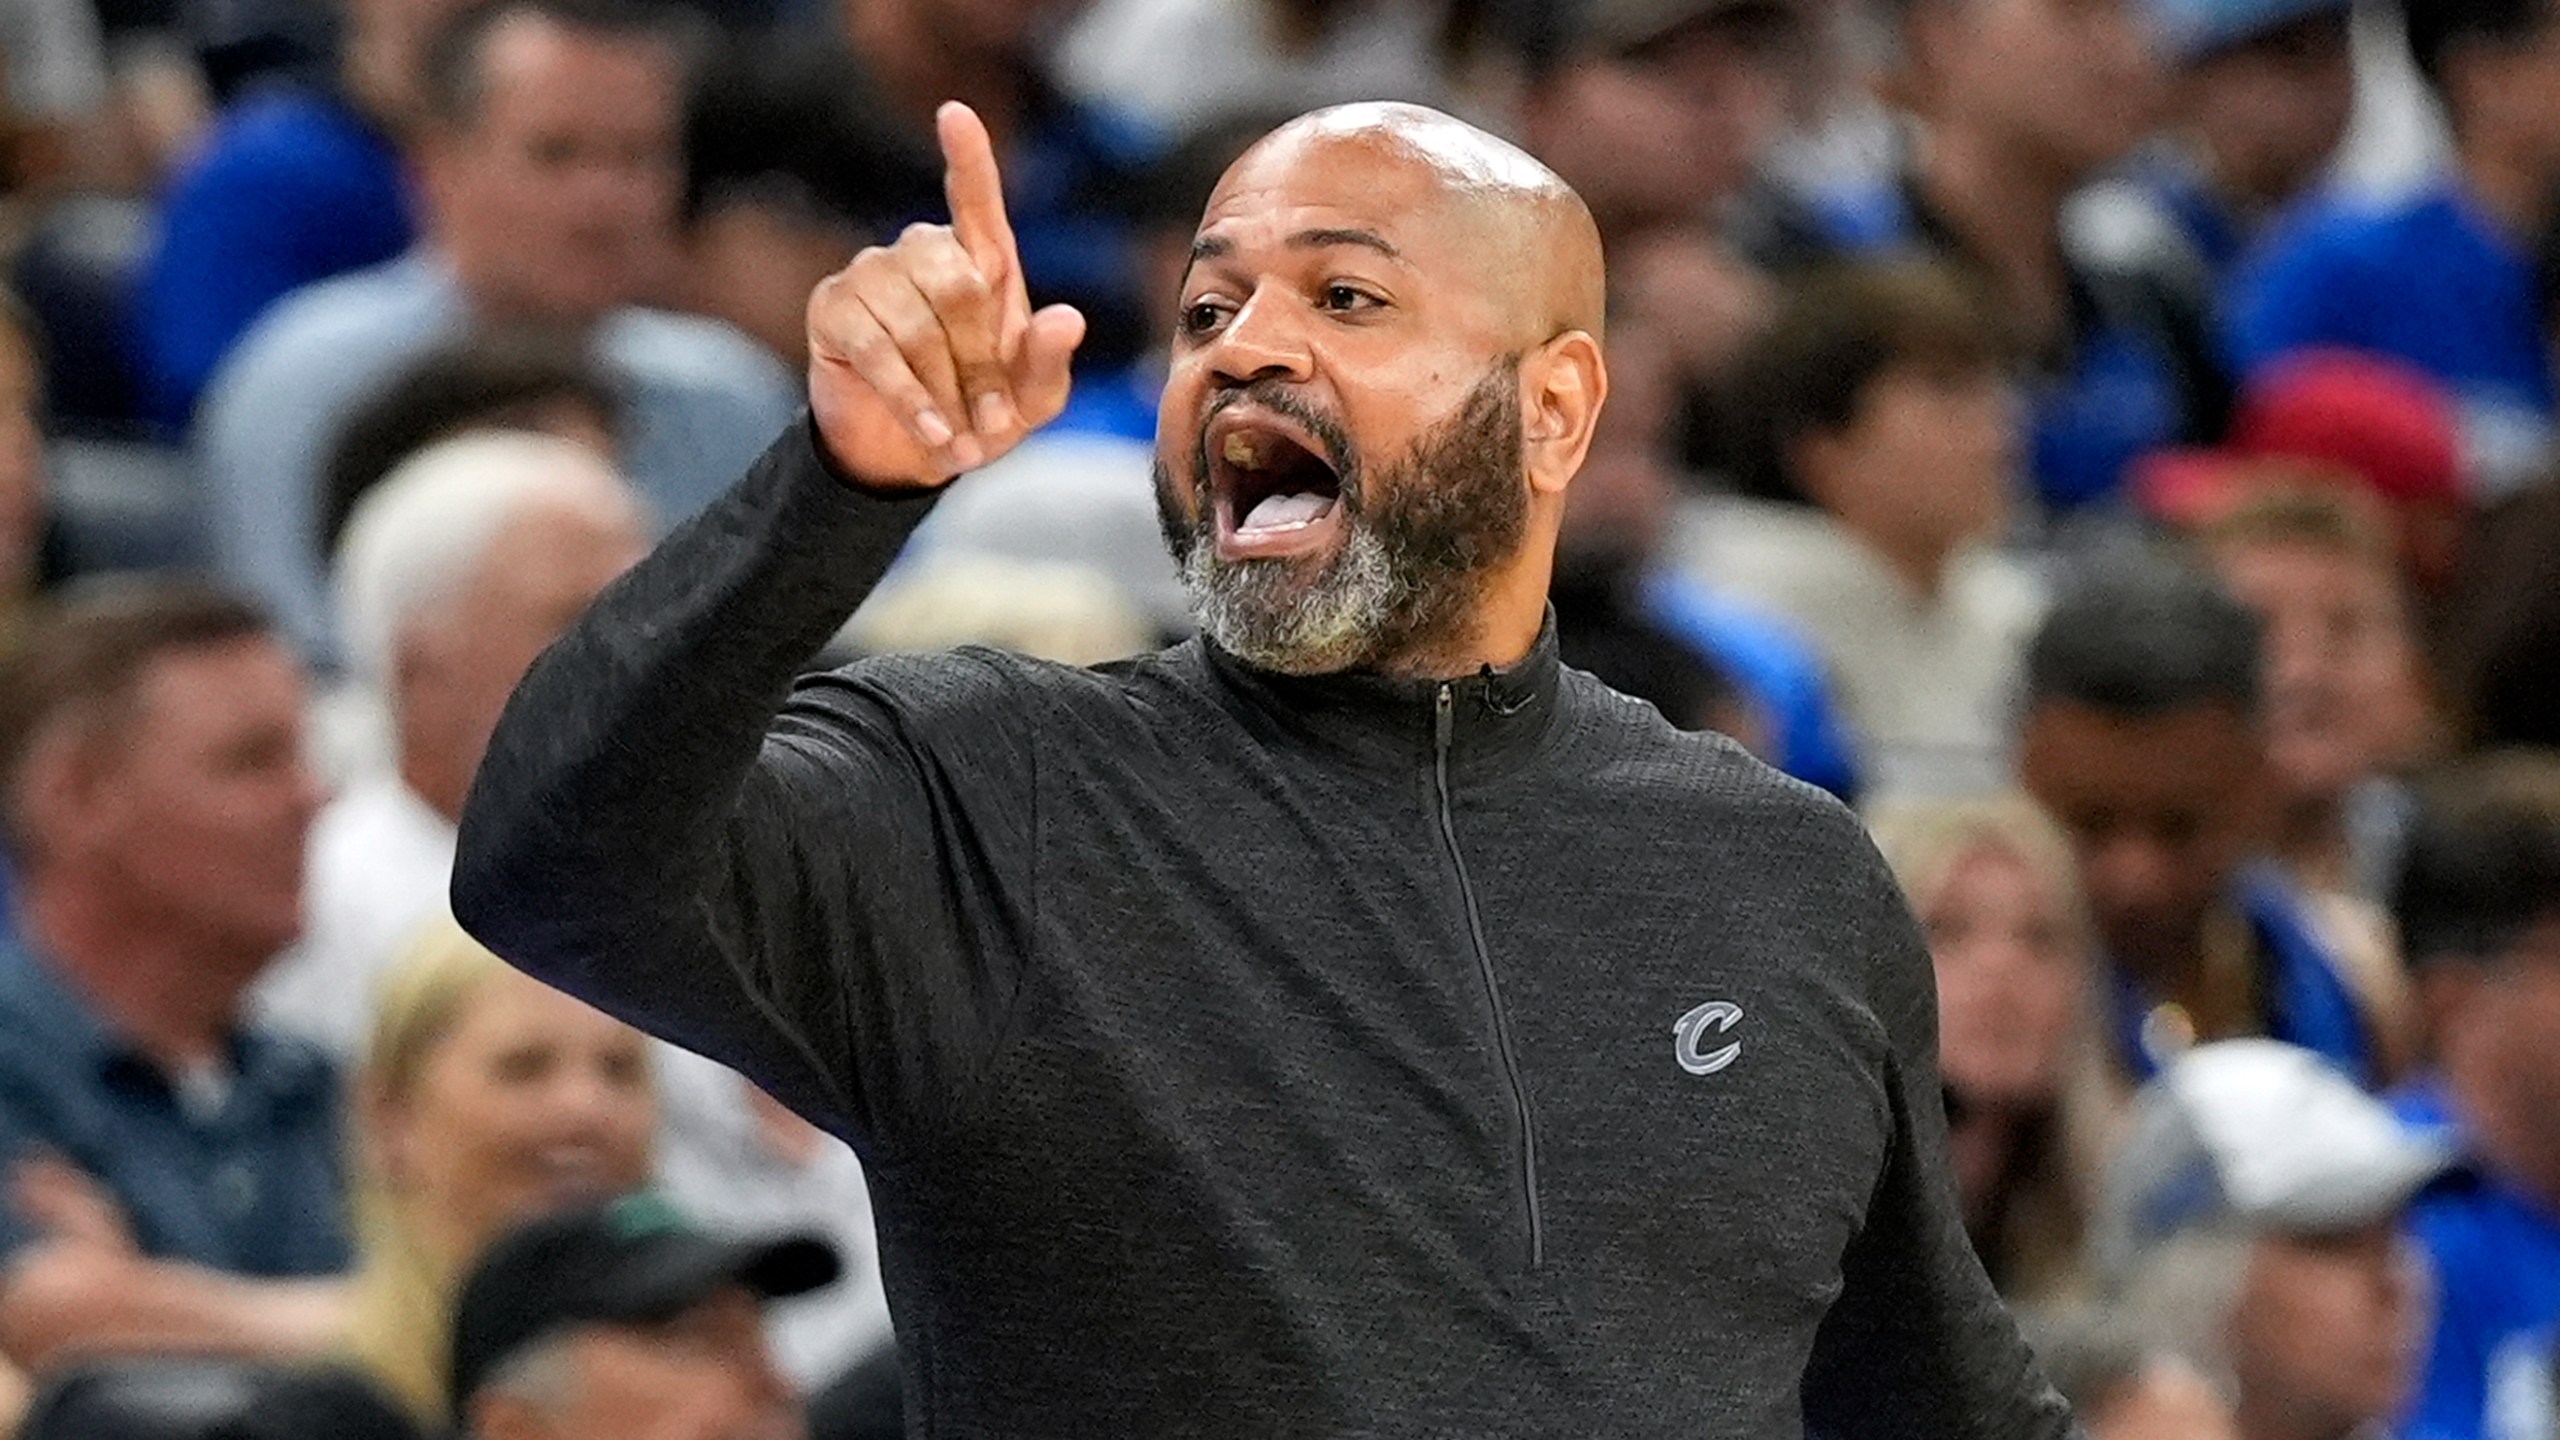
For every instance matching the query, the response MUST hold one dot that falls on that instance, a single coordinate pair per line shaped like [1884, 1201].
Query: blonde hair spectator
[486, 1099]
[1996, 887]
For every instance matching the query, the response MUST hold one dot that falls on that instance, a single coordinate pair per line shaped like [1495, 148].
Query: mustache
[1277, 397]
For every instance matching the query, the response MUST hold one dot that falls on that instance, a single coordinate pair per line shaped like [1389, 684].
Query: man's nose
[1264, 341]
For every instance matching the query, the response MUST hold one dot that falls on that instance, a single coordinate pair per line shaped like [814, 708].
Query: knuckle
[959, 293]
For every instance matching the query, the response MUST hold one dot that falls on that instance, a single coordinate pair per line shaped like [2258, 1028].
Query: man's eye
[1202, 316]
[1348, 297]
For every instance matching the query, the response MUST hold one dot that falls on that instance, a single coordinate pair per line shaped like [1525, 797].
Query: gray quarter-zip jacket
[1240, 1055]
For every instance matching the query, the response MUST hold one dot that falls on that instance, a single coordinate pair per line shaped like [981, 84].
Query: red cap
[2345, 411]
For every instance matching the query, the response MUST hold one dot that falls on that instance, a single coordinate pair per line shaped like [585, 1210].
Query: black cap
[633, 1261]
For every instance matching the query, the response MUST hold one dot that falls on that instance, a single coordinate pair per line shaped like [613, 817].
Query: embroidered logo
[1716, 1016]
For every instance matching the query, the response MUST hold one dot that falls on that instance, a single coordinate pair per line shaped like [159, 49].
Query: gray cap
[2255, 1134]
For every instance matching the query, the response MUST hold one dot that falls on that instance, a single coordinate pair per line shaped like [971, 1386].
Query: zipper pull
[1443, 716]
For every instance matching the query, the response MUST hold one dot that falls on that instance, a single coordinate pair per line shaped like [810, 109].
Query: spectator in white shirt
[452, 575]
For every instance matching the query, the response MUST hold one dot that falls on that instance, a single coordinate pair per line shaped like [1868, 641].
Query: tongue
[1279, 510]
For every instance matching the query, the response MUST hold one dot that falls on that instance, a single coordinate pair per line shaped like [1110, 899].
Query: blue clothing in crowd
[2496, 1255]
[2135, 372]
[294, 186]
[2428, 280]
[1777, 668]
[2309, 1000]
[1119, 403]
[1060, 172]
[246, 1181]
[2174, 187]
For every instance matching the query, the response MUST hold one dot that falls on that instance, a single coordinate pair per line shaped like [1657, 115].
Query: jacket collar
[1495, 719]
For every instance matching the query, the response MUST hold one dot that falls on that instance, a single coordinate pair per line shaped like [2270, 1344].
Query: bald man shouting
[1350, 1022]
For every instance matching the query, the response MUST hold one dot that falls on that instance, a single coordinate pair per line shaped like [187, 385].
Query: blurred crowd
[2110, 443]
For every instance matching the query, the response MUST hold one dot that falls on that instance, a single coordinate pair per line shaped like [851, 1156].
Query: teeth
[1244, 451]
[1287, 512]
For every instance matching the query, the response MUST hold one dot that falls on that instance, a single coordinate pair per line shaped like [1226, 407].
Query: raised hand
[925, 357]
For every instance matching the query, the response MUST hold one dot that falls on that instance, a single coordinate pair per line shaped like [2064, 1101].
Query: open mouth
[1275, 491]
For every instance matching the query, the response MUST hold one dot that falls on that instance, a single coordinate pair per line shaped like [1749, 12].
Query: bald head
[1538, 250]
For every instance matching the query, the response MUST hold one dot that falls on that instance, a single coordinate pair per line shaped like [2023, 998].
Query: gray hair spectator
[626, 1320]
[173, 1170]
[452, 575]
[2252, 1219]
[2478, 903]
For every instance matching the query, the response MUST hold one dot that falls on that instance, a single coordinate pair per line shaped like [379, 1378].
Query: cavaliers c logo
[1716, 1015]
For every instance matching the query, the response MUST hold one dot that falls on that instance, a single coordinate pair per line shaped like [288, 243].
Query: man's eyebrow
[1215, 247]
[1326, 239]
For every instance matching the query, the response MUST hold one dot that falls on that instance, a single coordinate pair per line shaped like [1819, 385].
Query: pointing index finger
[975, 191]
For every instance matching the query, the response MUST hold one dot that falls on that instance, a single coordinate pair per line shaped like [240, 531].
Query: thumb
[1041, 368]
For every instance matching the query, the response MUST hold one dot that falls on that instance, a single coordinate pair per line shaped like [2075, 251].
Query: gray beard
[1417, 547]
[1261, 612]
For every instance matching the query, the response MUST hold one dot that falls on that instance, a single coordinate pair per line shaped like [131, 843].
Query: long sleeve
[800, 884]
[1918, 1344]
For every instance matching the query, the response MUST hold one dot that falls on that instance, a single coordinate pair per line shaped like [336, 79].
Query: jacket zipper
[1443, 725]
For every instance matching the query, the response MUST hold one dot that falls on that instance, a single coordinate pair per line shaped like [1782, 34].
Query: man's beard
[1417, 549]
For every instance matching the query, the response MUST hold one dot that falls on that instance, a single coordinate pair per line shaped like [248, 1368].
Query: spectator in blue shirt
[2145, 738]
[173, 1173]
[2444, 277]
[2264, 90]
[2016, 104]
[552, 169]
[2478, 904]
[297, 183]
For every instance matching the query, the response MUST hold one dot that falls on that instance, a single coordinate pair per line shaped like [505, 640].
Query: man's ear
[1563, 384]
[59, 795]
